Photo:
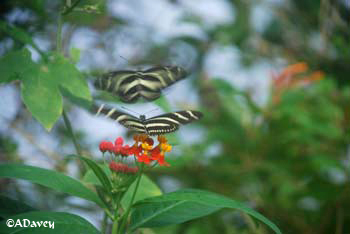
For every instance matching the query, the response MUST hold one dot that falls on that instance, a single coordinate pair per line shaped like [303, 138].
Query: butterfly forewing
[170, 122]
[132, 85]
[166, 75]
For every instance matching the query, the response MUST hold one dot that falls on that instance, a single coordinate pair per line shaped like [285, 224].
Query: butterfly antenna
[130, 110]
[127, 60]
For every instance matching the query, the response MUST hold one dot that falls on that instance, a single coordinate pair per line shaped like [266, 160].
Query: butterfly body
[157, 125]
[133, 85]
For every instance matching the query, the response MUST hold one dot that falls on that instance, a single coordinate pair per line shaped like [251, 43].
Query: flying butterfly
[147, 84]
[157, 125]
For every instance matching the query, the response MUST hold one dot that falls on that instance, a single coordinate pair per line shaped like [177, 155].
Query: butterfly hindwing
[128, 121]
[132, 85]
[157, 125]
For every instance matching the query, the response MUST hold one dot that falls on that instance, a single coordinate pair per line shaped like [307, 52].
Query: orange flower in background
[293, 76]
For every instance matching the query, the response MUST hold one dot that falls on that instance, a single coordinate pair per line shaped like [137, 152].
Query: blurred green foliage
[288, 159]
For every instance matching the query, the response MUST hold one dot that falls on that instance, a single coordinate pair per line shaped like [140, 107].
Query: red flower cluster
[116, 148]
[123, 168]
[142, 149]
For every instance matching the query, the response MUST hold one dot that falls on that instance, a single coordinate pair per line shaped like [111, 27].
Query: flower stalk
[126, 214]
[123, 175]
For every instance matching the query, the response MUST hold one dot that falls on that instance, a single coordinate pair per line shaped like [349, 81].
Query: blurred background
[270, 76]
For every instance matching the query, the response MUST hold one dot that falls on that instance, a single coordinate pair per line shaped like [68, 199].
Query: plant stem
[65, 117]
[59, 34]
[71, 133]
[126, 214]
[115, 226]
[108, 213]
[70, 7]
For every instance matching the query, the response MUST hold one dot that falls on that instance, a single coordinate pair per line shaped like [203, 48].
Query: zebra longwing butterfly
[147, 84]
[157, 125]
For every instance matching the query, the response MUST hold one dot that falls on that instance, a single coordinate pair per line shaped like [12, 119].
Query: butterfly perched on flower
[157, 125]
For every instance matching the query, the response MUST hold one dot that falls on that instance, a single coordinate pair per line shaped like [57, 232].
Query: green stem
[59, 34]
[65, 117]
[108, 213]
[115, 227]
[70, 8]
[126, 214]
[71, 133]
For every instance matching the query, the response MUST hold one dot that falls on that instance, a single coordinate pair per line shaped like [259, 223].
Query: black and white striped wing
[166, 75]
[112, 82]
[128, 121]
[132, 85]
[170, 122]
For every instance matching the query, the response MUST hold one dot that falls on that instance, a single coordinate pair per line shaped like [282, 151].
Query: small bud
[162, 139]
[106, 146]
[119, 141]
[149, 141]
[125, 150]
[122, 168]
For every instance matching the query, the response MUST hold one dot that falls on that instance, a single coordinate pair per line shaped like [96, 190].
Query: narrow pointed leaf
[184, 205]
[98, 171]
[91, 178]
[146, 189]
[49, 178]
[10, 207]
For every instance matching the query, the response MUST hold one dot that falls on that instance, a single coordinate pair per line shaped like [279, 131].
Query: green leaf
[62, 223]
[91, 178]
[49, 178]
[147, 188]
[10, 207]
[41, 96]
[106, 97]
[42, 86]
[66, 76]
[75, 55]
[163, 103]
[99, 172]
[184, 205]
[15, 65]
